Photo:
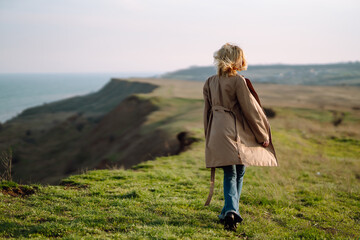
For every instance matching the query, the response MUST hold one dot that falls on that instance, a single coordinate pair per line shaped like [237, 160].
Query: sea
[19, 91]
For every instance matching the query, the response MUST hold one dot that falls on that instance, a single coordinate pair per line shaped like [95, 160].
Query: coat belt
[218, 107]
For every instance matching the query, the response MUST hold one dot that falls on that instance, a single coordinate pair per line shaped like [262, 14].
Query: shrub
[270, 113]
[80, 126]
[338, 117]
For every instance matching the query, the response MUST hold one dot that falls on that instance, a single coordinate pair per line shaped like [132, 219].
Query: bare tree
[5, 164]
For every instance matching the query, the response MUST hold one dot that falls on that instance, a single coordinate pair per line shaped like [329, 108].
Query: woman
[237, 131]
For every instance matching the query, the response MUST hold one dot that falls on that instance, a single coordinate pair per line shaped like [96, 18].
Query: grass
[174, 115]
[313, 194]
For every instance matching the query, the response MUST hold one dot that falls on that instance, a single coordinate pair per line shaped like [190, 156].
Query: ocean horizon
[19, 91]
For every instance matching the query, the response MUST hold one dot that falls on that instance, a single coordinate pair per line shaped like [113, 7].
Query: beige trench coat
[235, 125]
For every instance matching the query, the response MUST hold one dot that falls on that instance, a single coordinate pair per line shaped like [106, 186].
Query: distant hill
[315, 74]
[97, 103]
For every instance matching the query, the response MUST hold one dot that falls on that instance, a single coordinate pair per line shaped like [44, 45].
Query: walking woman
[237, 131]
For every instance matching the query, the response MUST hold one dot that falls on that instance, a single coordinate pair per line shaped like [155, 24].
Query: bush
[80, 126]
[338, 117]
[270, 113]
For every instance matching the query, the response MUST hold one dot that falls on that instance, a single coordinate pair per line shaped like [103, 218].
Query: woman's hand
[266, 143]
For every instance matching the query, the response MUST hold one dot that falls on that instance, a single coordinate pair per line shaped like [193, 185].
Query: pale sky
[166, 35]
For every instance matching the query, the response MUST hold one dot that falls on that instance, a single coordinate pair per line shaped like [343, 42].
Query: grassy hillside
[47, 148]
[325, 74]
[313, 194]
[100, 102]
[48, 141]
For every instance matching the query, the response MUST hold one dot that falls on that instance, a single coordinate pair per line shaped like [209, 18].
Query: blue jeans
[233, 181]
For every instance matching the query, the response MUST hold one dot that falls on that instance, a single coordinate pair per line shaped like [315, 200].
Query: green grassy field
[313, 194]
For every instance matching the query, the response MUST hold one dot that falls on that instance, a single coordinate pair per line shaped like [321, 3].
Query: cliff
[95, 131]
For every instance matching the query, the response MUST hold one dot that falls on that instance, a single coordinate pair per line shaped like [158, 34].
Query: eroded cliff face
[55, 141]
[117, 141]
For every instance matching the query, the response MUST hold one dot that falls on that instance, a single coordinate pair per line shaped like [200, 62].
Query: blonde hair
[229, 59]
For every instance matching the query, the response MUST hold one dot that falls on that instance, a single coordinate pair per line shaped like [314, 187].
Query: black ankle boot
[229, 222]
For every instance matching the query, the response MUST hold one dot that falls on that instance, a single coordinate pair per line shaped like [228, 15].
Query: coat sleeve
[248, 107]
[207, 106]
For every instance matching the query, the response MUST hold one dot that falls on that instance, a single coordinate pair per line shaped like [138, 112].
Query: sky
[166, 35]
